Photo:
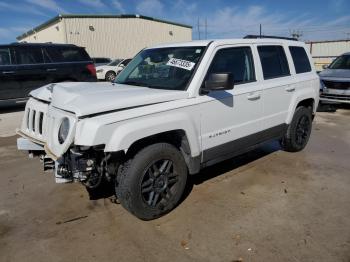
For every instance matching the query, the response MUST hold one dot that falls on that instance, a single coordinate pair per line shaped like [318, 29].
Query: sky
[313, 19]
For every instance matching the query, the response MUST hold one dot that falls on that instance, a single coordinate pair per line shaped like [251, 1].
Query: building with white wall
[114, 36]
[324, 52]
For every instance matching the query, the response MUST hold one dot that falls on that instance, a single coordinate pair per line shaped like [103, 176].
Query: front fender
[130, 131]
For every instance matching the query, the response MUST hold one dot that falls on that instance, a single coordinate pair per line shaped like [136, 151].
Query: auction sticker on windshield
[184, 64]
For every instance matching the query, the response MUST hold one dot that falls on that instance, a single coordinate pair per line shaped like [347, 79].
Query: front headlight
[99, 71]
[63, 131]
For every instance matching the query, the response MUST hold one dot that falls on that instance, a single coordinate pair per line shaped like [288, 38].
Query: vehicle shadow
[229, 165]
[332, 108]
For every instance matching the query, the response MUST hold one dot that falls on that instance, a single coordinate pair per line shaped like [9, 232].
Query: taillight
[92, 69]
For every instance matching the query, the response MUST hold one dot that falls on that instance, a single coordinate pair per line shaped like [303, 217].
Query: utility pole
[199, 31]
[260, 30]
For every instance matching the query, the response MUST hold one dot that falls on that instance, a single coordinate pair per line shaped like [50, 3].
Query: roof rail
[269, 36]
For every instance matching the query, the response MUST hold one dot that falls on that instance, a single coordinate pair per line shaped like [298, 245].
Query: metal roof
[61, 16]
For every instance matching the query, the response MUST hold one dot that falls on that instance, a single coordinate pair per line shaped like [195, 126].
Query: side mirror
[324, 66]
[219, 81]
[122, 65]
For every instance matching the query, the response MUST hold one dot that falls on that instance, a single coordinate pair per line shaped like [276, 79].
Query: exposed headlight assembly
[63, 131]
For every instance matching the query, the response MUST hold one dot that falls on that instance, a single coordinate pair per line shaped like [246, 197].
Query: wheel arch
[304, 99]
[176, 130]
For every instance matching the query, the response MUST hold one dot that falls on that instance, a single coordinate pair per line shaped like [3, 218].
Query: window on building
[273, 61]
[300, 59]
[238, 61]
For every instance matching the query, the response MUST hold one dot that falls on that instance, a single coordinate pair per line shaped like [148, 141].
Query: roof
[38, 44]
[219, 42]
[61, 16]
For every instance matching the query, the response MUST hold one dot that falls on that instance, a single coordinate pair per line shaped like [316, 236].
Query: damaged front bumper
[88, 165]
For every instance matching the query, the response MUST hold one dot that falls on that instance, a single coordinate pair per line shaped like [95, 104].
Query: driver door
[231, 119]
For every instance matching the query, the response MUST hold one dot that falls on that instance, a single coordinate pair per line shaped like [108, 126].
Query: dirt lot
[267, 205]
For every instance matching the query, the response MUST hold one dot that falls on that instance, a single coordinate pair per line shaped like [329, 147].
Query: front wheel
[299, 130]
[110, 76]
[152, 182]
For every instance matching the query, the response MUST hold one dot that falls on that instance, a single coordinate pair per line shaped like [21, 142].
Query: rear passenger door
[231, 118]
[31, 71]
[277, 86]
[9, 86]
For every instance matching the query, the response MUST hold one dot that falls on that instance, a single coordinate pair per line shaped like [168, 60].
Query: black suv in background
[27, 66]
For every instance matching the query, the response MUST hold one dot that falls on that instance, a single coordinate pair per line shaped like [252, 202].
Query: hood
[88, 98]
[335, 74]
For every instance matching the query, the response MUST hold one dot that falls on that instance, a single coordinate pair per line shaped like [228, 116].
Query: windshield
[163, 68]
[115, 62]
[341, 62]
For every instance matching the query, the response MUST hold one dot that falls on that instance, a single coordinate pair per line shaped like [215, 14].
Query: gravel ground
[267, 205]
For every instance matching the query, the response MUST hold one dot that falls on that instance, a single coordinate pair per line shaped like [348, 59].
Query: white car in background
[110, 71]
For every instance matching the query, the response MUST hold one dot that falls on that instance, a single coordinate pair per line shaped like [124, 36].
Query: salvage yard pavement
[10, 120]
[267, 205]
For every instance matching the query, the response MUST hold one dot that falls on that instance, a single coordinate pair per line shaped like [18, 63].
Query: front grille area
[338, 97]
[336, 85]
[35, 121]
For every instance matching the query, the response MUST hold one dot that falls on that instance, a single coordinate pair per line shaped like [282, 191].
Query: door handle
[253, 97]
[51, 69]
[8, 72]
[290, 89]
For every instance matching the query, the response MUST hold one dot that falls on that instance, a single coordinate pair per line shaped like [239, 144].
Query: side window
[273, 61]
[300, 59]
[126, 62]
[29, 55]
[57, 54]
[5, 56]
[237, 60]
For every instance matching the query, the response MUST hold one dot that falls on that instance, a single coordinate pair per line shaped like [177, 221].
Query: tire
[110, 76]
[299, 130]
[152, 182]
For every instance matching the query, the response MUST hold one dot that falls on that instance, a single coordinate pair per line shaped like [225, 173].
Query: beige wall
[121, 38]
[324, 53]
[48, 34]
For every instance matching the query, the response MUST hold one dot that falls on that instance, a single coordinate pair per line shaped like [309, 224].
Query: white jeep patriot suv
[175, 109]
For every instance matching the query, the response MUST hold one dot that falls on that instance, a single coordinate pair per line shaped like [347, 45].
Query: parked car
[174, 110]
[110, 71]
[336, 81]
[25, 67]
[98, 61]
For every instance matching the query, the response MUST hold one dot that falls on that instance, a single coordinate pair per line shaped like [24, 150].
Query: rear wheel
[152, 182]
[110, 76]
[299, 130]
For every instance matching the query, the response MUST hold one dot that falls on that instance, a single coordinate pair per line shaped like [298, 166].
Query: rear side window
[29, 55]
[57, 54]
[238, 61]
[300, 59]
[273, 61]
[5, 56]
